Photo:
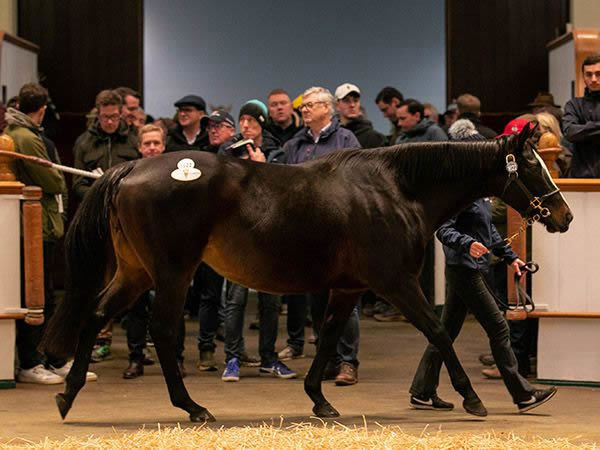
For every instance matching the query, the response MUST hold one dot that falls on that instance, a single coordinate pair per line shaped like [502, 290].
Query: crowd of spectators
[274, 132]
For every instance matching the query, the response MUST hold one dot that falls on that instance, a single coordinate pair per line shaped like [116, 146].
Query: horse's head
[529, 187]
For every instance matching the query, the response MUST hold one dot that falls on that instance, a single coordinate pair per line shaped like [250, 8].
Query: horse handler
[467, 239]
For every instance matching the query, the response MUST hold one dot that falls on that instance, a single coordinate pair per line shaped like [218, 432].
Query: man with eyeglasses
[221, 128]
[189, 134]
[107, 142]
[347, 103]
[321, 135]
[581, 123]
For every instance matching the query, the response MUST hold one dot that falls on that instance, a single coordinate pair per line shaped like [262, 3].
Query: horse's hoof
[202, 416]
[63, 405]
[325, 411]
[475, 407]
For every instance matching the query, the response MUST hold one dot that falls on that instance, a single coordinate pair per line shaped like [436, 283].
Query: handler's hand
[477, 250]
[516, 265]
[256, 155]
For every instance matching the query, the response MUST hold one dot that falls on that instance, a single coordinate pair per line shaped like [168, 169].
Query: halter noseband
[535, 202]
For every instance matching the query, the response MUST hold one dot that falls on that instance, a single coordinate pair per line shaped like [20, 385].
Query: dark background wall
[496, 50]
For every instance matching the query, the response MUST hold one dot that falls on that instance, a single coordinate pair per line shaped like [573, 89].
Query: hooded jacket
[29, 140]
[365, 133]
[284, 135]
[424, 131]
[581, 125]
[96, 149]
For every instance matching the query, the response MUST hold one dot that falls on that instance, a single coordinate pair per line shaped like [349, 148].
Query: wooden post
[33, 255]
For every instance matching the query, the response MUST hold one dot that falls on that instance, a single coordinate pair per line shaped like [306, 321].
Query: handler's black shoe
[434, 403]
[538, 397]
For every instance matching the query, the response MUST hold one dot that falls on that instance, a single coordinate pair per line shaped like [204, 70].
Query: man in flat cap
[189, 134]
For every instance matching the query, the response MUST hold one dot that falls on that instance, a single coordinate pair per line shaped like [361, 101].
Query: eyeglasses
[218, 126]
[308, 106]
[111, 118]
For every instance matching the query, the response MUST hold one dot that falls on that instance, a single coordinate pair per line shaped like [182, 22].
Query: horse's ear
[527, 132]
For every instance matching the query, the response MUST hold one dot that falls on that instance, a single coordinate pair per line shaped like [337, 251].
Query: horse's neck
[447, 200]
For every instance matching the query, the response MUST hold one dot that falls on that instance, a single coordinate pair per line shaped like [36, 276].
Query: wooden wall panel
[85, 46]
[496, 50]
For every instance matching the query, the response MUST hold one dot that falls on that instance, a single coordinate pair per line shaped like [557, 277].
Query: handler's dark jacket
[177, 141]
[94, 148]
[302, 147]
[365, 133]
[581, 125]
[472, 224]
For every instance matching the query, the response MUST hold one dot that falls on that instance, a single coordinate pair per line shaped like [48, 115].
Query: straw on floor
[301, 436]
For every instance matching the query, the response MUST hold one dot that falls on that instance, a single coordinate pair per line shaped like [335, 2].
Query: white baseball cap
[345, 89]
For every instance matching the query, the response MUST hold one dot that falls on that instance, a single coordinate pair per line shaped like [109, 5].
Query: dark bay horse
[353, 220]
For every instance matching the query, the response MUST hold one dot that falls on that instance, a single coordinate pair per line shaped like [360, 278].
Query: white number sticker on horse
[186, 171]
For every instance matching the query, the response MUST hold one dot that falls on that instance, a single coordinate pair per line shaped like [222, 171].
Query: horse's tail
[88, 253]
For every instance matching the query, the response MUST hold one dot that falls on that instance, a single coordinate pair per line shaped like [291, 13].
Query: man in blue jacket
[581, 123]
[321, 135]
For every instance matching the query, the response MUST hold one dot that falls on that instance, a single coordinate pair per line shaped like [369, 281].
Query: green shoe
[101, 353]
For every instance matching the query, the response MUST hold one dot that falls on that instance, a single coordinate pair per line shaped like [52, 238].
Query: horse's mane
[422, 163]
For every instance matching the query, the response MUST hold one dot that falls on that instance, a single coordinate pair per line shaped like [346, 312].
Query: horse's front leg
[167, 310]
[413, 304]
[338, 311]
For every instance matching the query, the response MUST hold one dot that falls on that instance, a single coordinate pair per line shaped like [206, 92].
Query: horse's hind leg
[338, 311]
[124, 289]
[167, 310]
[413, 304]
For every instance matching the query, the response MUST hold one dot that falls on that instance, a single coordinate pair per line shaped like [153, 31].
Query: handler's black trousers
[467, 290]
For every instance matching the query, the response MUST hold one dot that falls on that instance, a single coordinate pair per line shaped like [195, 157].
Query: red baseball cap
[515, 126]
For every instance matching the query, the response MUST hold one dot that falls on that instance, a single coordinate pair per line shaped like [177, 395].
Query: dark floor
[389, 354]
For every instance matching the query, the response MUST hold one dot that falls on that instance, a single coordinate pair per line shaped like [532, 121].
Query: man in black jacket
[283, 121]
[581, 123]
[188, 135]
[347, 103]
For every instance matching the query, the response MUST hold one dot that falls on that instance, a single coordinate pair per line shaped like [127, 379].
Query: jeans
[296, 320]
[236, 299]
[347, 347]
[208, 285]
[466, 289]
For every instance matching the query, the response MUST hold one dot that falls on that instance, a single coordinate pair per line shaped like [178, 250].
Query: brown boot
[492, 373]
[348, 375]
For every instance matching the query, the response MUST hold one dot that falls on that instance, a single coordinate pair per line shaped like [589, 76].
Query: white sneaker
[38, 375]
[64, 371]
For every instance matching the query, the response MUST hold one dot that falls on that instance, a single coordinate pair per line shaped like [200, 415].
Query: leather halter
[535, 202]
